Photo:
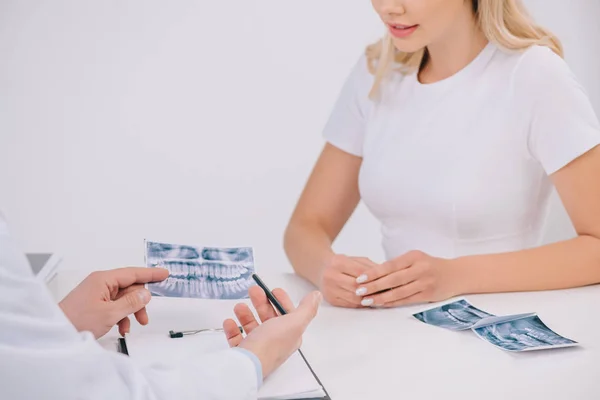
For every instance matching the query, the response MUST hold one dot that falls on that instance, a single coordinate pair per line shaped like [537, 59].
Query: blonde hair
[504, 22]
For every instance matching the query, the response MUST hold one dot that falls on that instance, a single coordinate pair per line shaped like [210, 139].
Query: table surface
[387, 354]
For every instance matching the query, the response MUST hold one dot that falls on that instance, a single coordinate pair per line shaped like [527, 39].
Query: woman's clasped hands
[414, 277]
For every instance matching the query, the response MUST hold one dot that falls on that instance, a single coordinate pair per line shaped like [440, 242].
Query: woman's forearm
[308, 247]
[561, 265]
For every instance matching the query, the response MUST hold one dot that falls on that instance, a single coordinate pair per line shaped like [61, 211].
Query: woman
[453, 130]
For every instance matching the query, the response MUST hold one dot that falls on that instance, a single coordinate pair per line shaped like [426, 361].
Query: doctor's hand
[278, 337]
[338, 280]
[414, 277]
[106, 298]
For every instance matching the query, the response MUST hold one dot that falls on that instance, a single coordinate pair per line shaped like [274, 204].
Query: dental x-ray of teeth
[456, 316]
[523, 334]
[201, 272]
[518, 332]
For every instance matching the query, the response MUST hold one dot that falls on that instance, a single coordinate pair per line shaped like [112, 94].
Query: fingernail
[144, 295]
[361, 291]
[361, 279]
[367, 302]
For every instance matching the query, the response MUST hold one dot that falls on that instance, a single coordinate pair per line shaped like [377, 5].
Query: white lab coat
[42, 356]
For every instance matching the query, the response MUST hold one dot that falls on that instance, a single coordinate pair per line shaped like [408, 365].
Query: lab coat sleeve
[42, 356]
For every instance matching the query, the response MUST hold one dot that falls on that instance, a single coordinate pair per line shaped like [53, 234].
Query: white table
[386, 354]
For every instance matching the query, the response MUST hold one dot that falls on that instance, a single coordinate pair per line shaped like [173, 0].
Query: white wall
[192, 121]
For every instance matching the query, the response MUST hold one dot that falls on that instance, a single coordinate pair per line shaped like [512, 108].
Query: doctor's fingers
[306, 311]
[232, 333]
[246, 317]
[124, 326]
[263, 306]
[142, 315]
[122, 278]
[131, 302]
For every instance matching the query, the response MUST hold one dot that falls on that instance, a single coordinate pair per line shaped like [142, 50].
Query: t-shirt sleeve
[345, 128]
[563, 123]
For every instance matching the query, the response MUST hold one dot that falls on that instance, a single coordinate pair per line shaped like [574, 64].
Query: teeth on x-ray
[522, 334]
[457, 315]
[172, 251]
[463, 315]
[227, 254]
[195, 269]
[207, 273]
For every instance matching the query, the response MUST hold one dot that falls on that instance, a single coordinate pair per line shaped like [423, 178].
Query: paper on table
[519, 332]
[499, 320]
[457, 316]
[524, 333]
[293, 380]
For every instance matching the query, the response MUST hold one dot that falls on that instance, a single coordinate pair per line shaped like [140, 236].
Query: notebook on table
[295, 379]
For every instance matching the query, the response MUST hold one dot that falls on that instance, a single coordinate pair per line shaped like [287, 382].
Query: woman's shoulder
[362, 71]
[533, 73]
[358, 80]
[539, 65]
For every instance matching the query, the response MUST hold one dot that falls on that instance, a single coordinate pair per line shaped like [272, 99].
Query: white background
[189, 121]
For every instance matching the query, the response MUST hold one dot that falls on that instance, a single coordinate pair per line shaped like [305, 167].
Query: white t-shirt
[462, 166]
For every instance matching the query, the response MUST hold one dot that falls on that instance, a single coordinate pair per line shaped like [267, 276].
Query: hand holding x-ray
[106, 298]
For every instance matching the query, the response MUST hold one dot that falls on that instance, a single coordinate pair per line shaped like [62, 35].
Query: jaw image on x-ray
[458, 315]
[201, 272]
[522, 334]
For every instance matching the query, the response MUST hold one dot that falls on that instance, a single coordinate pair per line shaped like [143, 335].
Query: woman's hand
[338, 280]
[414, 277]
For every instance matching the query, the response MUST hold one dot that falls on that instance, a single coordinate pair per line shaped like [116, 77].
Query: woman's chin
[408, 46]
